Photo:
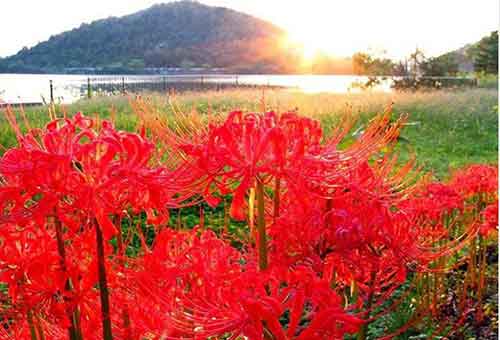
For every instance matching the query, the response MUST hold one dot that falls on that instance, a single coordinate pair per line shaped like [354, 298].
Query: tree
[485, 54]
[401, 68]
[367, 64]
[444, 65]
[361, 63]
[416, 60]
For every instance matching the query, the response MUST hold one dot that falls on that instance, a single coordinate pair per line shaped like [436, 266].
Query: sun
[306, 49]
[314, 35]
[309, 52]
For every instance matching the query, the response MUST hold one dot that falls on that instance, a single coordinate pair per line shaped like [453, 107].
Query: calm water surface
[34, 88]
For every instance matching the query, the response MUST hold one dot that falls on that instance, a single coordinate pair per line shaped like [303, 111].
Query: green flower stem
[103, 285]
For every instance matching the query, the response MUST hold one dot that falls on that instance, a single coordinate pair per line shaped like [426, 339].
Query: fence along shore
[109, 85]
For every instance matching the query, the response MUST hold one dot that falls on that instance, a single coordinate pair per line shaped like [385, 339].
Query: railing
[70, 89]
[67, 89]
[137, 84]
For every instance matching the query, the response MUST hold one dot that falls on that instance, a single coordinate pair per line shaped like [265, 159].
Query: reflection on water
[315, 83]
[35, 88]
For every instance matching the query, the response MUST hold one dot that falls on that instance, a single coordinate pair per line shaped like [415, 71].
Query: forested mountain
[177, 34]
[481, 56]
[190, 36]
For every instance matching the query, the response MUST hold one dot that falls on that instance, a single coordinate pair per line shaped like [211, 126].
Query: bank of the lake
[445, 128]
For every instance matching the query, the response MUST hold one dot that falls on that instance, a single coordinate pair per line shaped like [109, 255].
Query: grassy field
[446, 129]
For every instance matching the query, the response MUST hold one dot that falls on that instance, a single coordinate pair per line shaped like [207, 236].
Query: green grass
[489, 81]
[446, 129]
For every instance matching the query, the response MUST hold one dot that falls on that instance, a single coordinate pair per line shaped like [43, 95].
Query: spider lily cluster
[333, 230]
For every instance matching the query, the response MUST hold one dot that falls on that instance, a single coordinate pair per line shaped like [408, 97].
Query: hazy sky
[336, 26]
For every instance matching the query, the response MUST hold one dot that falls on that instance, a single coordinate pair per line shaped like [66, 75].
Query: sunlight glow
[341, 28]
[314, 42]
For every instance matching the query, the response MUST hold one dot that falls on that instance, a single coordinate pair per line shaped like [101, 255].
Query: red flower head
[476, 179]
[490, 220]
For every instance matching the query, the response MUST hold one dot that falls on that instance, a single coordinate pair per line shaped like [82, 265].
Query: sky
[337, 27]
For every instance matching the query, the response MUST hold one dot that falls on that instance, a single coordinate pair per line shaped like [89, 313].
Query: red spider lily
[38, 293]
[341, 243]
[476, 179]
[490, 220]
[246, 147]
[433, 201]
[230, 156]
[358, 214]
[247, 151]
[117, 177]
[83, 175]
[208, 292]
[82, 169]
[347, 226]
[29, 266]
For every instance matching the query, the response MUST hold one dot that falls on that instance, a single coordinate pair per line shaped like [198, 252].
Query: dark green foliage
[485, 54]
[364, 63]
[444, 65]
[403, 314]
[481, 57]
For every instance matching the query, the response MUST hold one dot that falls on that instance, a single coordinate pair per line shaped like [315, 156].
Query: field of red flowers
[334, 232]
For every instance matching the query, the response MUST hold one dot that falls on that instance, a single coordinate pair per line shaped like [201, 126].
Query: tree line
[481, 57]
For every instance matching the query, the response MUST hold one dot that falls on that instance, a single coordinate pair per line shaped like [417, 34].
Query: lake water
[35, 88]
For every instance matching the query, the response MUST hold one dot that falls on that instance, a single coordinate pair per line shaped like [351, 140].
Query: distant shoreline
[181, 73]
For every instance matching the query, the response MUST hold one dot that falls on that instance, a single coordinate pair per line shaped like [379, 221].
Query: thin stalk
[267, 334]
[74, 330]
[226, 218]
[179, 220]
[464, 292]
[103, 285]
[127, 324]
[125, 311]
[427, 291]
[39, 329]
[328, 223]
[440, 277]
[419, 292]
[431, 291]
[435, 296]
[261, 226]
[429, 296]
[202, 218]
[364, 329]
[277, 189]
[251, 214]
[77, 323]
[482, 270]
[329, 207]
[354, 290]
[473, 263]
[262, 241]
[32, 326]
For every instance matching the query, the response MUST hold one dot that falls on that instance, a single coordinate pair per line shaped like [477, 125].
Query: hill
[481, 56]
[183, 34]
